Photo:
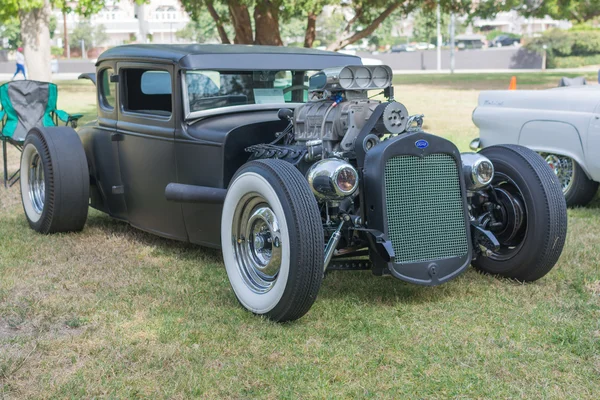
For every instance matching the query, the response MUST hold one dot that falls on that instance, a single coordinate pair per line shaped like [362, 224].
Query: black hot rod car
[282, 158]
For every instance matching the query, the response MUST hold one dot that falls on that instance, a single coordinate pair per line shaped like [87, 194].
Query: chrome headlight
[332, 179]
[477, 169]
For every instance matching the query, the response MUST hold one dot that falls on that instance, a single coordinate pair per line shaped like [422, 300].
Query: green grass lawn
[115, 312]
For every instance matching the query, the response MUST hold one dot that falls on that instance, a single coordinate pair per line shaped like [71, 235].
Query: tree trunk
[240, 18]
[266, 23]
[311, 29]
[347, 39]
[140, 13]
[220, 28]
[36, 41]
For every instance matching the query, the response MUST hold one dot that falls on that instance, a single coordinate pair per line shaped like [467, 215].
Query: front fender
[554, 137]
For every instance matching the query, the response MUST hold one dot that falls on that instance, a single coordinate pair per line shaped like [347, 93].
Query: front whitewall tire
[257, 303]
[272, 240]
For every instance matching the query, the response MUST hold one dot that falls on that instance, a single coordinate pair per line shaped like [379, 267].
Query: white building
[512, 22]
[121, 20]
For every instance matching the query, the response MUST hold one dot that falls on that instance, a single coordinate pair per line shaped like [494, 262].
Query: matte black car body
[290, 165]
[134, 157]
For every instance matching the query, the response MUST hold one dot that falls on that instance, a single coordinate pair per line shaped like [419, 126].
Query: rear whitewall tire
[54, 180]
[29, 157]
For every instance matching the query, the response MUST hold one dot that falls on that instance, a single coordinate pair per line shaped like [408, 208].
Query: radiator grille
[424, 208]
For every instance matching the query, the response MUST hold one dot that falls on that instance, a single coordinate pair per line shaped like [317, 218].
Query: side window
[147, 91]
[107, 89]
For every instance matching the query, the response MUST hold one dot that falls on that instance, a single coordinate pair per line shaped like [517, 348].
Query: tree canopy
[262, 21]
[572, 10]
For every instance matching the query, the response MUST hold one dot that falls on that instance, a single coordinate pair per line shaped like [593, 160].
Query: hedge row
[561, 43]
[573, 61]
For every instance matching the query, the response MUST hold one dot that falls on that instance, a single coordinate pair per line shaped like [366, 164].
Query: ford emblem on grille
[422, 144]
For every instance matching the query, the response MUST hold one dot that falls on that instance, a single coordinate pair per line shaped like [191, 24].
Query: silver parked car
[561, 124]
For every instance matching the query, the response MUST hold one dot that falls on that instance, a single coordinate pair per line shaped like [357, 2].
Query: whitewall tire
[54, 180]
[272, 240]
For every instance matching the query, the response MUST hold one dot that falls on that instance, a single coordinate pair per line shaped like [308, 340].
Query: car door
[145, 130]
[105, 171]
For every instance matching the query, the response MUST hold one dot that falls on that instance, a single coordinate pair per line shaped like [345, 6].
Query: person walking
[20, 64]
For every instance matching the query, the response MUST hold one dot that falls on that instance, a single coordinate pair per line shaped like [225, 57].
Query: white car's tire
[272, 240]
[578, 189]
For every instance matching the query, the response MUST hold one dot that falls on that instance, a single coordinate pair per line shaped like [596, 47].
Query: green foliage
[329, 28]
[56, 51]
[52, 26]
[91, 36]
[425, 26]
[11, 8]
[573, 10]
[292, 31]
[11, 30]
[573, 61]
[567, 43]
[585, 26]
[384, 35]
[566, 49]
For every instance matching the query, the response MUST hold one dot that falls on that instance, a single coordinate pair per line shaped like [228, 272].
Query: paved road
[72, 66]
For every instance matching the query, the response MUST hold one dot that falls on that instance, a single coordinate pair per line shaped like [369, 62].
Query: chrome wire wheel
[256, 240]
[36, 182]
[563, 168]
[33, 183]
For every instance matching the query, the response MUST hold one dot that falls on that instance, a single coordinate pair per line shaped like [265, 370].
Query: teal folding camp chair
[25, 105]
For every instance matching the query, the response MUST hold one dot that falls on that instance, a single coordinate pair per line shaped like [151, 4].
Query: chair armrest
[62, 115]
[75, 117]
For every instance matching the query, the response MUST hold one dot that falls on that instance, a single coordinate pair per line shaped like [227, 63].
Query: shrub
[567, 43]
[57, 51]
[580, 46]
[573, 61]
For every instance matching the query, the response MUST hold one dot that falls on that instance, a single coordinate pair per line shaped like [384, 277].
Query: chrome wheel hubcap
[563, 169]
[37, 186]
[257, 243]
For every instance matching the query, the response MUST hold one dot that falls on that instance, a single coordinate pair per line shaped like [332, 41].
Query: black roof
[231, 56]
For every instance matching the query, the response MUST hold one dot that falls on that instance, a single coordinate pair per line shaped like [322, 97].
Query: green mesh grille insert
[424, 208]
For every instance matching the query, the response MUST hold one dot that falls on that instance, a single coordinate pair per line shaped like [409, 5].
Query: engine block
[335, 124]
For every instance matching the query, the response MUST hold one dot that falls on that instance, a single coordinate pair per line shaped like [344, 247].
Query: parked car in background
[424, 46]
[466, 41]
[402, 48]
[561, 124]
[505, 40]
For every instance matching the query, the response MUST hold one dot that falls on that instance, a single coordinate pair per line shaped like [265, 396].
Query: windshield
[215, 89]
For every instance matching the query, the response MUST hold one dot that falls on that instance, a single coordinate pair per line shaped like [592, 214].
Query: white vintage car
[562, 124]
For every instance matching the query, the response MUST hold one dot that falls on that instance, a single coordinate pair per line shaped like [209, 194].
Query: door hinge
[118, 189]
[117, 137]
[114, 78]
